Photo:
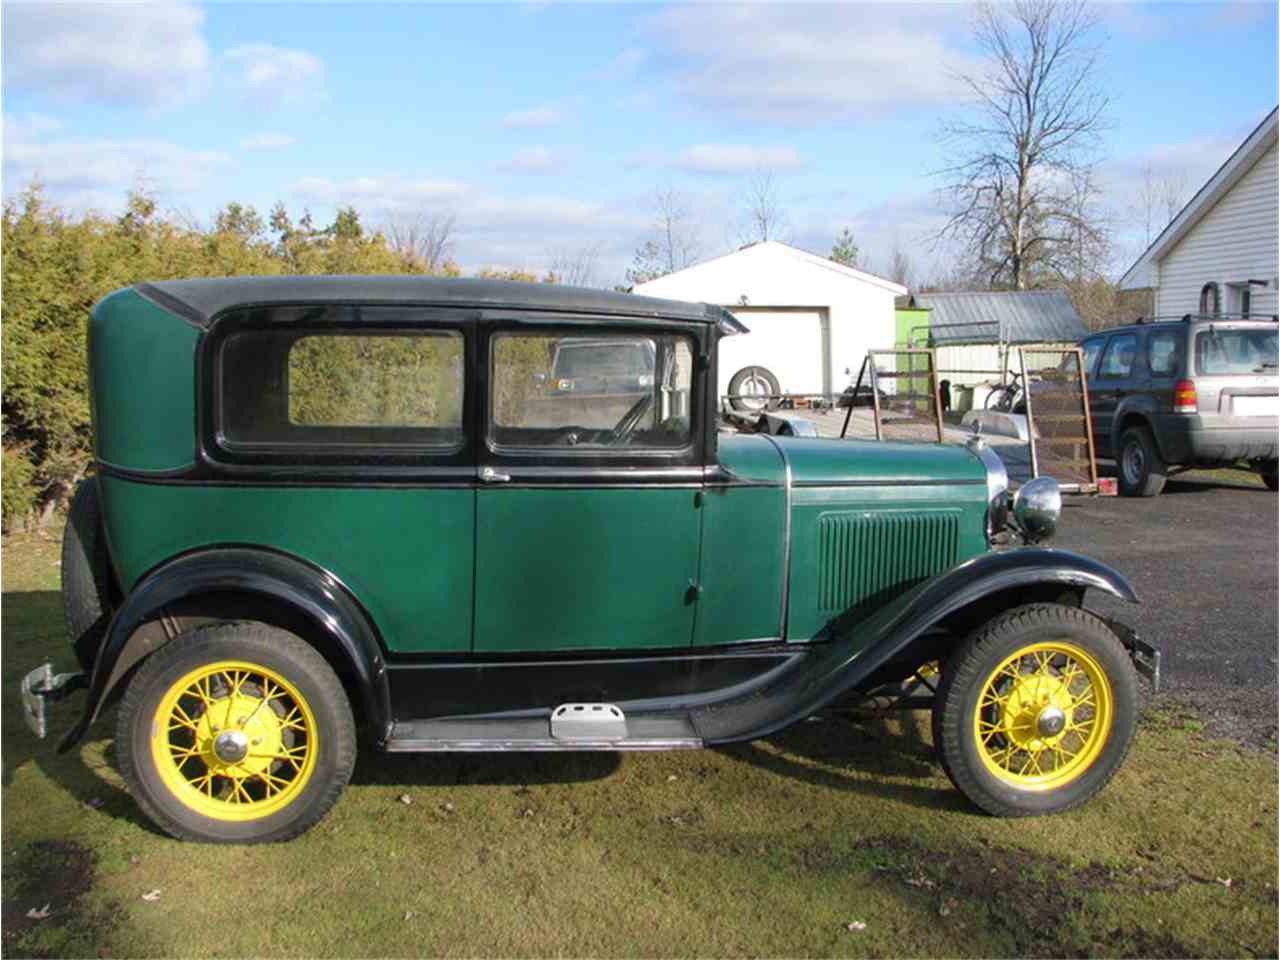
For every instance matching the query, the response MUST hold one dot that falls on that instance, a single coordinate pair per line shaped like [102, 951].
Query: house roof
[768, 248]
[1141, 274]
[1015, 316]
[200, 300]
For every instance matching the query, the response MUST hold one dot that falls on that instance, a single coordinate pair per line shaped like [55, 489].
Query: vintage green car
[342, 513]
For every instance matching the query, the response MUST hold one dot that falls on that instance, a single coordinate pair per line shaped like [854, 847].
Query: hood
[815, 462]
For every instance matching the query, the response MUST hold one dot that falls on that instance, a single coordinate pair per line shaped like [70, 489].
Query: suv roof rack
[1194, 317]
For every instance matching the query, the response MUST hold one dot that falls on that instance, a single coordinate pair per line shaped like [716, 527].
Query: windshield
[1236, 351]
[603, 360]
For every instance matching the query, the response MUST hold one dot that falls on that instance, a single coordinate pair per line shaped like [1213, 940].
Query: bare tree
[577, 268]
[424, 239]
[674, 242]
[1013, 190]
[763, 218]
[901, 269]
[1160, 199]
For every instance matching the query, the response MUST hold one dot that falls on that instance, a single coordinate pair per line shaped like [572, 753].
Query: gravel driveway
[1203, 560]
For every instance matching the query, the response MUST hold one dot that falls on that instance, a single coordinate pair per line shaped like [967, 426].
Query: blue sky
[545, 129]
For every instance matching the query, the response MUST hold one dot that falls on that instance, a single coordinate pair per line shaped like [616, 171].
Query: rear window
[1235, 352]
[603, 360]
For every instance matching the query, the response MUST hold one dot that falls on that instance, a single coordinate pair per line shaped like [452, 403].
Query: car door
[1110, 385]
[587, 523]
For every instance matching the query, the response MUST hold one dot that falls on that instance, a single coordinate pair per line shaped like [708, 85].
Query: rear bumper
[1187, 439]
[41, 687]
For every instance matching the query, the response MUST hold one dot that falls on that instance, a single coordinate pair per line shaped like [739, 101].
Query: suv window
[1118, 360]
[1236, 351]
[567, 392]
[1091, 350]
[1162, 353]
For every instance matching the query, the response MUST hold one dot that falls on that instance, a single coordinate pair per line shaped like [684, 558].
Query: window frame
[1084, 351]
[337, 319]
[546, 462]
[1111, 345]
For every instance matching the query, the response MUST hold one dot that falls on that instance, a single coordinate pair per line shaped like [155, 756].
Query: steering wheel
[630, 420]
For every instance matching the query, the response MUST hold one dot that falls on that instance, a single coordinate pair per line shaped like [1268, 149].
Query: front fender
[314, 593]
[855, 645]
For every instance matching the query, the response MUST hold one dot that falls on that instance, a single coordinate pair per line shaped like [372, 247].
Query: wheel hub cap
[1050, 722]
[230, 746]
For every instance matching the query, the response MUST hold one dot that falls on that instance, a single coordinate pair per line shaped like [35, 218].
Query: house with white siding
[1221, 253]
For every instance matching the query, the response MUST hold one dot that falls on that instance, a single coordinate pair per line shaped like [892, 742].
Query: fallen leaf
[672, 778]
[857, 926]
[1225, 881]
[41, 914]
[151, 896]
[448, 808]
[406, 799]
[947, 906]
[408, 914]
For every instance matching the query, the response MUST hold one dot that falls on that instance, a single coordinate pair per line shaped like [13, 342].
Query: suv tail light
[1184, 397]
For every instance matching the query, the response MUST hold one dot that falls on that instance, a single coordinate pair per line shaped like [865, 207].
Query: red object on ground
[1107, 487]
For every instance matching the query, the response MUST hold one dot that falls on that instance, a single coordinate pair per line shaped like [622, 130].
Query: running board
[651, 732]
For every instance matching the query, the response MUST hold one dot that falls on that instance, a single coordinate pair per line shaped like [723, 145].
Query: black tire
[290, 658]
[966, 676]
[1271, 475]
[1142, 470]
[757, 375]
[89, 591]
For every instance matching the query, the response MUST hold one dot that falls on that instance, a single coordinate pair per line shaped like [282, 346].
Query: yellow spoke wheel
[234, 740]
[1043, 716]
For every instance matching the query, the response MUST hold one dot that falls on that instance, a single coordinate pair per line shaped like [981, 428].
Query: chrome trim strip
[997, 484]
[786, 538]
[540, 745]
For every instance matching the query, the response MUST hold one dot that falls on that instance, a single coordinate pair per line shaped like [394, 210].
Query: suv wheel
[1271, 475]
[1035, 711]
[235, 733]
[1142, 471]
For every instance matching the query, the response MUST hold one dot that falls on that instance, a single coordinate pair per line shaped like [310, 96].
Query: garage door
[794, 345]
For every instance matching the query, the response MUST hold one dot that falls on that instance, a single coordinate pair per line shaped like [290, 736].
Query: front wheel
[1036, 711]
[235, 733]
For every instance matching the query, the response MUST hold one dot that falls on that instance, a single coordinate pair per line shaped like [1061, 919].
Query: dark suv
[1197, 391]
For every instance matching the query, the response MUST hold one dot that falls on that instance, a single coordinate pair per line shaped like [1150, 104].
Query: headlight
[997, 486]
[1036, 509]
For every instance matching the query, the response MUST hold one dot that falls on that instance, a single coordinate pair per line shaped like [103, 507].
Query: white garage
[810, 318]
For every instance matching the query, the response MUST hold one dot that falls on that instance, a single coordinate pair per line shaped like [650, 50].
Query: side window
[590, 393]
[1091, 350]
[1162, 354]
[282, 391]
[1118, 360]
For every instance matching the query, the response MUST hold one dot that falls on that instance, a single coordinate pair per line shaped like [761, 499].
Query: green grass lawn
[774, 847]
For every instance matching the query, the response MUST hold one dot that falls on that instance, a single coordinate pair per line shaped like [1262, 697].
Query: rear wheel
[753, 389]
[1142, 471]
[1036, 711]
[235, 733]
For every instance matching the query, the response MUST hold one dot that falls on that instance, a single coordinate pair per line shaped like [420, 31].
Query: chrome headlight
[997, 486]
[1036, 509]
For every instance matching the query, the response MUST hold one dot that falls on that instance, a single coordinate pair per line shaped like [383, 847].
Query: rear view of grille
[864, 555]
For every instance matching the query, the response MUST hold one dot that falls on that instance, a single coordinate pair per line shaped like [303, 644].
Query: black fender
[853, 646]
[309, 591]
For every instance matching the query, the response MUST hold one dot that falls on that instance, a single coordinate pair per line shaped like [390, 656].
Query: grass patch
[774, 847]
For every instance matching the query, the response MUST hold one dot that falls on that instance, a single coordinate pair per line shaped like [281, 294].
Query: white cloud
[736, 158]
[803, 64]
[382, 193]
[152, 54]
[267, 141]
[533, 160]
[534, 118]
[280, 74]
[104, 166]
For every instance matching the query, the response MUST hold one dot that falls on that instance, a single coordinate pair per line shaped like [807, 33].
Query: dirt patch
[1034, 901]
[46, 884]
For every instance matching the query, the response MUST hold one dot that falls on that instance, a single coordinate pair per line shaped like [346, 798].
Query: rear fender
[304, 592]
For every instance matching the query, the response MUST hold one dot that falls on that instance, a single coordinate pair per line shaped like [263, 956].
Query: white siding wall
[1236, 241]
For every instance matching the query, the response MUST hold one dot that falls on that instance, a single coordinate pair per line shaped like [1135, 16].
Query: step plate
[534, 734]
[588, 721]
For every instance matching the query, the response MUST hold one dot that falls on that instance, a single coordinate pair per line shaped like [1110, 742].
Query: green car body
[467, 577]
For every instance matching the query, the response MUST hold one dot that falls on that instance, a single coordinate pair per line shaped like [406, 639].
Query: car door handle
[490, 475]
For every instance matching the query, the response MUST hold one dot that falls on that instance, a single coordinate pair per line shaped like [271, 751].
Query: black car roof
[200, 300]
